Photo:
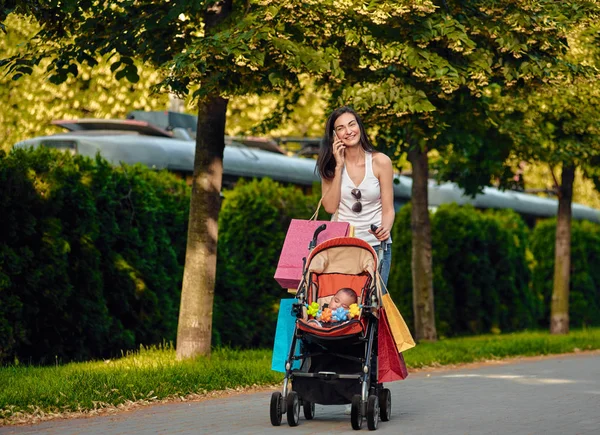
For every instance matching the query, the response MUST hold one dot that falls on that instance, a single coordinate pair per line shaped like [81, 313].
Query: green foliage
[508, 248]
[424, 74]
[482, 265]
[246, 113]
[480, 270]
[584, 290]
[89, 266]
[149, 374]
[32, 102]
[253, 223]
[557, 125]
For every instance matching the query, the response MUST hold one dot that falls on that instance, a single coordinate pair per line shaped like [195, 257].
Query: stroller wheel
[372, 412]
[309, 410]
[293, 408]
[385, 403]
[276, 405]
[356, 417]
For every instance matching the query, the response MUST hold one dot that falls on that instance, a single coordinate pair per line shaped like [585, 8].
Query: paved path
[558, 395]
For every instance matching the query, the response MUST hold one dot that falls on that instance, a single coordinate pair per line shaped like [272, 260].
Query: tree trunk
[559, 318]
[197, 294]
[422, 270]
[194, 329]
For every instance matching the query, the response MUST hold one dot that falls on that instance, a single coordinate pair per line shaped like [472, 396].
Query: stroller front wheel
[385, 402]
[293, 408]
[276, 408]
[356, 418]
[372, 412]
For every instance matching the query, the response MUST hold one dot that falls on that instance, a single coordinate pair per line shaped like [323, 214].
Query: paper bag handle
[314, 216]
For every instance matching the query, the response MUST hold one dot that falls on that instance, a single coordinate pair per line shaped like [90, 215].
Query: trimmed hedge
[584, 293]
[91, 261]
[253, 222]
[479, 267]
[90, 256]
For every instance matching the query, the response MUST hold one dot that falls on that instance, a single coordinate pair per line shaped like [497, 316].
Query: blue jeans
[385, 261]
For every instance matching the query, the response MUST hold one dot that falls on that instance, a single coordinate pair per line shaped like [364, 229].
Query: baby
[344, 297]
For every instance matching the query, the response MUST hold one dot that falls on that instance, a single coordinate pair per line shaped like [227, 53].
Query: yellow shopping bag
[398, 327]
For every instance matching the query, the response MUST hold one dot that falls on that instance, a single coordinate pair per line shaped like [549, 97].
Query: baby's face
[341, 300]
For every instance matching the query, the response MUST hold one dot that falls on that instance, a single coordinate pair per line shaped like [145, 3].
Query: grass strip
[154, 374]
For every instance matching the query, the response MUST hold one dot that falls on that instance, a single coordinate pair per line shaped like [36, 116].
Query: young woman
[357, 181]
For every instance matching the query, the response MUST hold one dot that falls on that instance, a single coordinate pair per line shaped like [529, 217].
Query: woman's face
[347, 129]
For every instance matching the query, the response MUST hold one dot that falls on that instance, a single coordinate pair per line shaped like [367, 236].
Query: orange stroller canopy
[346, 255]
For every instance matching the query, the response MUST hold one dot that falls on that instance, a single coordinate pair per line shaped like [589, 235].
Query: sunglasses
[357, 206]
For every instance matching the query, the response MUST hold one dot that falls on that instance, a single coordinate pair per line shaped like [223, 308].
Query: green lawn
[154, 374]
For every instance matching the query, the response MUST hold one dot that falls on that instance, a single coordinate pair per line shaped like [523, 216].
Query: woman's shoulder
[381, 160]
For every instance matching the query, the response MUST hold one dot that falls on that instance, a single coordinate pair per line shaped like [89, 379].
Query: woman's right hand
[338, 151]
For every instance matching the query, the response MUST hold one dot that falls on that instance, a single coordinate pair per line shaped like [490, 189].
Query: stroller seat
[321, 290]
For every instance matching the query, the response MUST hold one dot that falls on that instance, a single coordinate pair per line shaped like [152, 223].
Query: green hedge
[480, 273]
[584, 293]
[90, 256]
[91, 261]
[253, 222]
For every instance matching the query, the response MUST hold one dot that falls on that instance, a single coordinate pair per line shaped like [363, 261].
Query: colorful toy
[325, 315]
[340, 314]
[354, 311]
[313, 309]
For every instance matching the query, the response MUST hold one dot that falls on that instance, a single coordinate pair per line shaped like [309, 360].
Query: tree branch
[556, 183]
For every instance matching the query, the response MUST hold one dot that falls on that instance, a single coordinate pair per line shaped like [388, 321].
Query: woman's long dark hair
[326, 161]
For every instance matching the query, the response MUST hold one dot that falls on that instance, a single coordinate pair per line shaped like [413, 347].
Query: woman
[357, 182]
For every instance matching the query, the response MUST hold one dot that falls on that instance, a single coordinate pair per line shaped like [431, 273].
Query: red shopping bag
[390, 363]
[295, 247]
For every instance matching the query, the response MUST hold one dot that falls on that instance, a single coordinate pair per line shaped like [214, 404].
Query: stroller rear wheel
[372, 412]
[356, 417]
[385, 402]
[276, 408]
[293, 408]
[309, 410]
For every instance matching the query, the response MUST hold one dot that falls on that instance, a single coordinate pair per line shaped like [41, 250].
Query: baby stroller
[338, 361]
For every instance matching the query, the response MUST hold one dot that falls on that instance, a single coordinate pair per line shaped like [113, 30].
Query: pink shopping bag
[295, 247]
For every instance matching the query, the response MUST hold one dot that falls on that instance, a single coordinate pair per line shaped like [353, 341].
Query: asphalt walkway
[549, 396]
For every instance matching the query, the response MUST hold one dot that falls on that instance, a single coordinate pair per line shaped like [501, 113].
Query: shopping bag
[397, 325]
[295, 247]
[286, 322]
[390, 363]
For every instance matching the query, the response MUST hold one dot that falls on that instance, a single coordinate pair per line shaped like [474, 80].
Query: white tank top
[370, 199]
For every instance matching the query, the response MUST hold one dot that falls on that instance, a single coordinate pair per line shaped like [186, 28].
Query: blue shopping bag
[286, 322]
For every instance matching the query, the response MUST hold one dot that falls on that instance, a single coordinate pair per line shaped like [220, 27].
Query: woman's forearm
[387, 219]
[332, 192]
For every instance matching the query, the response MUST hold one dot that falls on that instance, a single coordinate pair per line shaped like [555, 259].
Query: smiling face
[347, 129]
[343, 298]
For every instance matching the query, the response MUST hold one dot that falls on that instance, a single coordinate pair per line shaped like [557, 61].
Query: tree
[561, 128]
[414, 68]
[215, 49]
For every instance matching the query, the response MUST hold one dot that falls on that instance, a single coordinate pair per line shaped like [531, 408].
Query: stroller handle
[318, 231]
[382, 247]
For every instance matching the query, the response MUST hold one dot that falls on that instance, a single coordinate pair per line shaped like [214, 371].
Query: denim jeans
[385, 261]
